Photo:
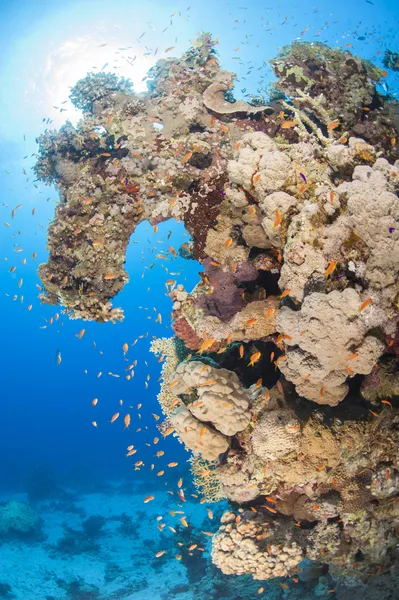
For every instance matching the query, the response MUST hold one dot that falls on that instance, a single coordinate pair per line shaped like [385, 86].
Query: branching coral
[206, 481]
[97, 86]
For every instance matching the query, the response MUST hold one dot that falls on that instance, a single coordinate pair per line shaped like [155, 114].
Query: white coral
[221, 401]
[327, 330]
[198, 437]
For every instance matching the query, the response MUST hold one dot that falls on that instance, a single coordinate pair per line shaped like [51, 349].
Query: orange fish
[125, 348]
[288, 124]
[254, 358]
[187, 157]
[250, 322]
[241, 351]
[159, 554]
[365, 304]
[386, 402]
[353, 356]
[183, 522]
[148, 499]
[331, 268]
[109, 276]
[94, 402]
[284, 294]
[278, 219]
[114, 417]
[333, 125]
[172, 250]
[126, 421]
[172, 464]
[228, 242]
[284, 586]
[209, 382]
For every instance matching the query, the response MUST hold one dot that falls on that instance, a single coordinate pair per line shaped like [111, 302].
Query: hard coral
[219, 397]
[327, 330]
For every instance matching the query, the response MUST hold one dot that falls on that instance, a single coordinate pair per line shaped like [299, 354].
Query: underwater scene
[199, 241]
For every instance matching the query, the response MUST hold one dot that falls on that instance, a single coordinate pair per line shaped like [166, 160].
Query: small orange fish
[333, 125]
[94, 402]
[284, 294]
[365, 304]
[126, 421]
[109, 276]
[250, 322]
[386, 402]
[331, 268]
[261, 590]
[172, 251]
[272, 510]
[241, 351]
[94, 423]
[148, 499]
[183, 522]
[284, 586]
[288, 124]
[159, 554]
[168, 431]
[353, 356]
[125, 348]
[209, 382]
[172, 464]
[192, 547]
[187, 157]
[278, 219]
[228, 242]
[114, 417]
[254, 358]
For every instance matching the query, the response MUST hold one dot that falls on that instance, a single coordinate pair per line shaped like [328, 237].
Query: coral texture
[290, 402]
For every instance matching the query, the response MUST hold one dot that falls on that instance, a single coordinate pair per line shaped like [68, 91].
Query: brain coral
[276, 434]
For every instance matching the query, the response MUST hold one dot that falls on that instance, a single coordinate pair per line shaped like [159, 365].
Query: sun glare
[74, 58]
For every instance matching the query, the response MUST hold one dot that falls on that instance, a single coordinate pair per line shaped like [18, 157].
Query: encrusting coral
[290, 402]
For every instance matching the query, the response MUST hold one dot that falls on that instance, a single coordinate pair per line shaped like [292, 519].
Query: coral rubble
[282, 377]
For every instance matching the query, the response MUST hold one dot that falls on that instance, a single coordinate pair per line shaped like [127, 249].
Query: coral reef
[18, 520]
[282, 376]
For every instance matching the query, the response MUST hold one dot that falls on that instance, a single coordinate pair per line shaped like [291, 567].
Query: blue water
[46, 413]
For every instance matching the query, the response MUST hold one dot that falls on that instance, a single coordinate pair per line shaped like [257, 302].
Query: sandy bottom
[123, 566]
